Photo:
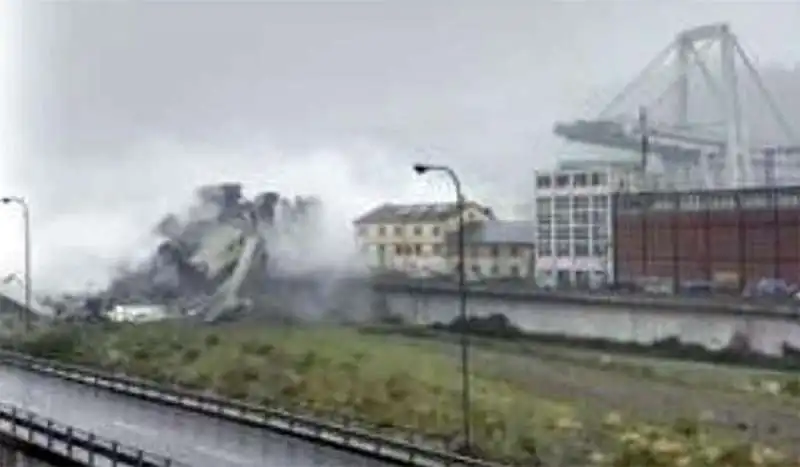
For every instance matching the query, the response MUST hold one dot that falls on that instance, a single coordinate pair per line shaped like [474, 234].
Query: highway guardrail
[345, 436]
[66, 442]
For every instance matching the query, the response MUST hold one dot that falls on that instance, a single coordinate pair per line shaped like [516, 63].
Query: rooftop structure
[693, 144]
[415, 213]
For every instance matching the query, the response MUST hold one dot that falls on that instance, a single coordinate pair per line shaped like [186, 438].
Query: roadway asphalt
[186, 437]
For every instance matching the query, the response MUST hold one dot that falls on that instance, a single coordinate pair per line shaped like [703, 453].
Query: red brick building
[730, 237]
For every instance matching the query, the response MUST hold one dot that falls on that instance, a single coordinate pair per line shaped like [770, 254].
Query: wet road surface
[186, 437]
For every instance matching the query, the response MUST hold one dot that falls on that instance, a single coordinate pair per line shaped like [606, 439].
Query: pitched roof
[410, 213]
[497, 232]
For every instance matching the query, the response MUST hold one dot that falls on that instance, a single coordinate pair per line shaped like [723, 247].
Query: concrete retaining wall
[713, 331]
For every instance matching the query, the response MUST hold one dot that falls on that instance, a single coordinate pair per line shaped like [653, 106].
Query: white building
[410, 238]
[572, 213]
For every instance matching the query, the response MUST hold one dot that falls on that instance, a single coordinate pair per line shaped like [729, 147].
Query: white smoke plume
[85, 246]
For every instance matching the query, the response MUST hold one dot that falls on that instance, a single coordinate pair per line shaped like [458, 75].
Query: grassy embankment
[390, 384]
[769, 383]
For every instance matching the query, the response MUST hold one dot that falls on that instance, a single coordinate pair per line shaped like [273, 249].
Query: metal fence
[721, 239]
[72, 444]
[348, 434]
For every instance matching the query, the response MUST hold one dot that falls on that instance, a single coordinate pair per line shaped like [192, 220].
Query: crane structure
[712, 139]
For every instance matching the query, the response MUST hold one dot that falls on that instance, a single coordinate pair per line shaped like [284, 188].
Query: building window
[514, 251]
[599, 231]
[398, 230]
[561, 204]
[580, 232]
[600, 202]
[408, 250]
[600, 249]
[562, 181]
[545, 249]
[418, 250]
[382, 230]
[544, 208]
[476, 269]
[495, 270]
[398, 249]
[599, 217]
[543, 181]
[579, 180]
[598, 179]
[495, 251]
[581, 248]
[562, 248]
[417, 230]
[580, 216]
[436, 231]
[515, 271]
[580, 202]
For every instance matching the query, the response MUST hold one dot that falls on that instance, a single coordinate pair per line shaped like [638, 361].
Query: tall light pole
[27, 221]
[421, 169]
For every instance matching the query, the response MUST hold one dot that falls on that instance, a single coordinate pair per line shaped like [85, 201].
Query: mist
[126, 109]
[82, 249]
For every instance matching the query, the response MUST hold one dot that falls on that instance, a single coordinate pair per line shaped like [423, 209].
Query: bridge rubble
[214, 260]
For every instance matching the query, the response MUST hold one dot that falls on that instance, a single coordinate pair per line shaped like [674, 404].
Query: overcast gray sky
[128, 106]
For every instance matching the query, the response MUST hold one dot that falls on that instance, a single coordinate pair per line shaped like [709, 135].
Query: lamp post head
[421, 168]
[5, 200]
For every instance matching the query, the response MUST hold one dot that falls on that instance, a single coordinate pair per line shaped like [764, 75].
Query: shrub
[62, 344]
[211, 340]
[190, 356]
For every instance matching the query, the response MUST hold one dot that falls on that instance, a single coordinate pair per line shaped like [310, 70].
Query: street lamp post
[27, 226]
[421, 169]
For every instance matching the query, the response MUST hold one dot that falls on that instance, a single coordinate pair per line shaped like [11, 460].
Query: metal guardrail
[349, 437]
[79, 446]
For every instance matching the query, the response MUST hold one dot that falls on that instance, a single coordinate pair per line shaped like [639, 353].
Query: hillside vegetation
[398, 386]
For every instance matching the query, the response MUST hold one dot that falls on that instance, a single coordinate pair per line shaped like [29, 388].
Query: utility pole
[462, 293]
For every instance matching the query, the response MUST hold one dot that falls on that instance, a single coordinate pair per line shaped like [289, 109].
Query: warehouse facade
[725, 238]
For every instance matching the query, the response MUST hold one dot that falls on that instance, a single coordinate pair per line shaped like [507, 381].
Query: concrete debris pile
[215, 258]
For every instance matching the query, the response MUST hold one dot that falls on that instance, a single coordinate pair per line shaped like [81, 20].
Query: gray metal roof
[497, 232]
[409, 213]
[507, 232]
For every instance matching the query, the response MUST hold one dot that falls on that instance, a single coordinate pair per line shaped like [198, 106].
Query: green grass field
[520, 410]
[769, 383]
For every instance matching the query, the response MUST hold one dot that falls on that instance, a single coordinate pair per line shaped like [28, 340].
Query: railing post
[91, 448]
[30, 426]
[49, 434]
[70, 441]
[114, 453]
